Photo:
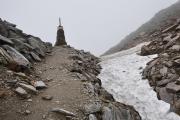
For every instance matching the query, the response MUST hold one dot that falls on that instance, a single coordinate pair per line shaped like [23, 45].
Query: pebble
[28, 87]
[47, 97]
[27, 112]
[44, 117]
[21, 91]
[29, 100]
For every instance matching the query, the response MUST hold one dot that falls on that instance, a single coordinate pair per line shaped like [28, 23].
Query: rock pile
[17, 49]
[104, 107]
[163, 72]
[18, 52]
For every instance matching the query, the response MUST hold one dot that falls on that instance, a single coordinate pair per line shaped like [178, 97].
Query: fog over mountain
[91, 25]
[161, 19]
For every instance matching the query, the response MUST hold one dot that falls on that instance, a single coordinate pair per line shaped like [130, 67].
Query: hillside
[161, 20]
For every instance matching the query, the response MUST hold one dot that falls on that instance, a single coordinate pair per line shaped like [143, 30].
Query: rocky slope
[163, 71]
[159, 21]
[38, 81]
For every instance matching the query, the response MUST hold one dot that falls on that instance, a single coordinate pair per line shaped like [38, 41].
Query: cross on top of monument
[60, 22]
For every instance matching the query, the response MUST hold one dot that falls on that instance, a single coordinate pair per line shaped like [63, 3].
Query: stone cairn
[60, 39]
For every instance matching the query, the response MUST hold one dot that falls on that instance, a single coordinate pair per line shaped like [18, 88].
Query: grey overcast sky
[93, 25]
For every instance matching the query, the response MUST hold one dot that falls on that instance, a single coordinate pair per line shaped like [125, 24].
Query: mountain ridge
[161, 20]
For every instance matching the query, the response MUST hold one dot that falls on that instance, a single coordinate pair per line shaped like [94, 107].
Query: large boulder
[18, 61]
[4, 40]
[38, 45]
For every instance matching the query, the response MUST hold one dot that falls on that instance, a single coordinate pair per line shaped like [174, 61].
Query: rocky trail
[68, 90]
[65, 91]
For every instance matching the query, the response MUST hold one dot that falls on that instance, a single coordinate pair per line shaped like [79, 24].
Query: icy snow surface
[121, 77]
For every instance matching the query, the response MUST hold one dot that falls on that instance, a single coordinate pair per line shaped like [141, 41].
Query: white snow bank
[121, 77]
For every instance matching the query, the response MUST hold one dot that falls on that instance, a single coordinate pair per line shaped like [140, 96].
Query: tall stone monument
[60, 39]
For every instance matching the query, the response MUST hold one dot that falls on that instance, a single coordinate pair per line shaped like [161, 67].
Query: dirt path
[67, 91]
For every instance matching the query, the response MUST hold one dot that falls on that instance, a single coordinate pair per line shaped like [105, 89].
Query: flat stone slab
[21, 91]
[17, 57]
[173, 87]
[62, 111]
[5, 40]
[28, 87]
[35, 57]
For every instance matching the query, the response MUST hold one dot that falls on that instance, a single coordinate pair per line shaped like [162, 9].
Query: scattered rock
[43, 116]
[177, 104]
[118, 112]
[29, 88]
[145, 50]
[62, 111]
[27, 112]
[35, 57]
[172, 42]
[92, 108]
[106, 95]
[12, 82]
[173, 88]
[20, 74]
[4, 40]
[5, 57]
[163, 82]
[164, 95]
[178, 81]
[177, 62]
[47, 97]
[170, 28]
[2, 93]
[107, 114]
[163, 71]
[21, 92]
[92, 117]
[40, 85]
[175, 48]
[29, 100]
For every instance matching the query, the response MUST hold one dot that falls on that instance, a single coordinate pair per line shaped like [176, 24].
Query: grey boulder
[18, 60]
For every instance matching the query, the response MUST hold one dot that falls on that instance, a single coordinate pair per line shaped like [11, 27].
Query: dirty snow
[121, 76]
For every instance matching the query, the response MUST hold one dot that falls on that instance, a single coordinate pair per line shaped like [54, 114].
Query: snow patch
[121, 76]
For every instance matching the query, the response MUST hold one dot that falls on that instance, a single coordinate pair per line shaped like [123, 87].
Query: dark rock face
[60, 40]
[17, 49]
[163, 72]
